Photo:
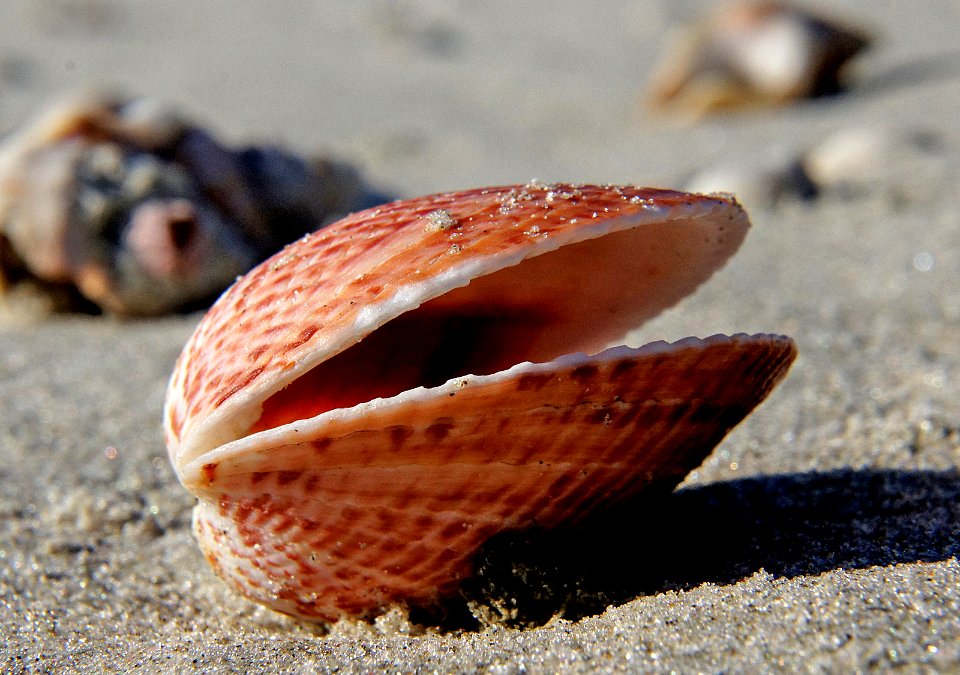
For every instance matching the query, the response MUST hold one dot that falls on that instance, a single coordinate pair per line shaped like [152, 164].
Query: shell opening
[579, 297]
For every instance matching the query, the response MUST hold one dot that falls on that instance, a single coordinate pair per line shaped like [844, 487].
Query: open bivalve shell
[361, 412]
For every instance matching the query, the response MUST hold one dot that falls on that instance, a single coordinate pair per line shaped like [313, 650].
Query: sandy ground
[822, 535]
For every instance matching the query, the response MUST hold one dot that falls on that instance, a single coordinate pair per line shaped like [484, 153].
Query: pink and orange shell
[361, 412]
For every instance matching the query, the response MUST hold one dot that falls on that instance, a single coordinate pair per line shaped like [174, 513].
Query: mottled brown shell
[753, 53]
[359, 414]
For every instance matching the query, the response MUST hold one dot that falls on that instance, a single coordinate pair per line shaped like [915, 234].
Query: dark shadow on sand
[942, 67]
[788, 525]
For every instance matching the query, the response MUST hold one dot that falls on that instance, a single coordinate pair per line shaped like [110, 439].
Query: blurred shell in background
[848, 163]
[753, 54]
[122, 206]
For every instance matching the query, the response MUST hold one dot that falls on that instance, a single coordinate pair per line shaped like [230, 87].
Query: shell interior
[572, 292]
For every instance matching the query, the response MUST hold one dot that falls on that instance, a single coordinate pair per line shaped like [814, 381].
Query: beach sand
[823, 534]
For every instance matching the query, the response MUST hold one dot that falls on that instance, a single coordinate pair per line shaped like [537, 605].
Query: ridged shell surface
[359, 414]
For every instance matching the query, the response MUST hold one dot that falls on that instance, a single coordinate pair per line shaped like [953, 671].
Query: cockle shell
[361, 412]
